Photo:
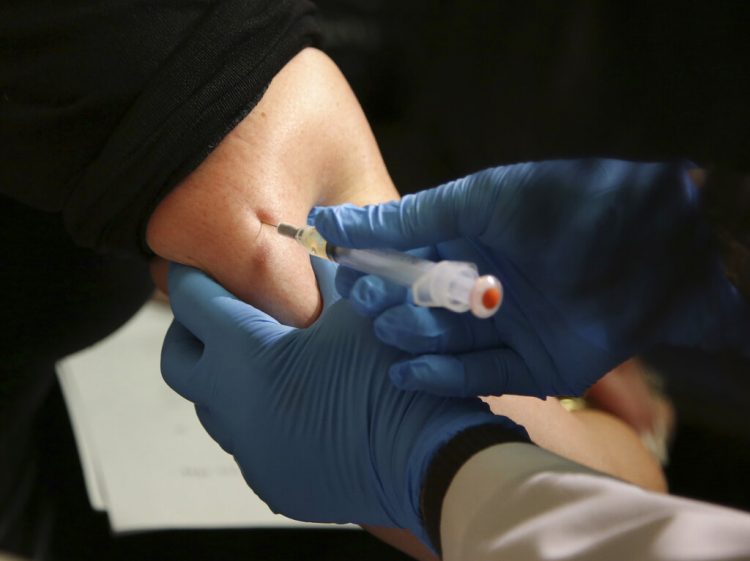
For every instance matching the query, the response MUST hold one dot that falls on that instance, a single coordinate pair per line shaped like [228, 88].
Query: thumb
[197, 301]
[216, 316]
[460, 208]
[180, 355]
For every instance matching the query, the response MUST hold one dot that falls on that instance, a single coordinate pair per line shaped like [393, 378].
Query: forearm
[590, 438]
[518, 501]
[305, 143]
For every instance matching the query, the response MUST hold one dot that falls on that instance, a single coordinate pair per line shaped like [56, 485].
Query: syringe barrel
[449, 284]
[400, 268]
[446, 284]
[454, 285]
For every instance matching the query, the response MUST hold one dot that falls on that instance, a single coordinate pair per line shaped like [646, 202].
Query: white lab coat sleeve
[519, 502]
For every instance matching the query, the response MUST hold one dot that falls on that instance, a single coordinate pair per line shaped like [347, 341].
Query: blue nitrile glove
[599, 260]
[310, 416]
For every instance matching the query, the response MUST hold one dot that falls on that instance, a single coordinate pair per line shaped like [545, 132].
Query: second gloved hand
[310, 415]
[599, 259]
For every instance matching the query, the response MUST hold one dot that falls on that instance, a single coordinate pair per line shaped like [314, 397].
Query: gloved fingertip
[175, 272]
[328, 221]
[314, 211]
[369, 295]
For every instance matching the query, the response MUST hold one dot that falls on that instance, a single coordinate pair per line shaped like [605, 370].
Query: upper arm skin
[305, 143]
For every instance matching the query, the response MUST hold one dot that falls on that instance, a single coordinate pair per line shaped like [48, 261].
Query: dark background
[451, 87]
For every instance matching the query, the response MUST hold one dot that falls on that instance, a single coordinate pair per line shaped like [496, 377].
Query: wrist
[440, 455]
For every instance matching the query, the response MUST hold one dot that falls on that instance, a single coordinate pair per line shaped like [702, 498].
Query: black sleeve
[105, 106]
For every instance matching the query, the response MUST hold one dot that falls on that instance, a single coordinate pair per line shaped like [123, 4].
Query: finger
[371, 295]
[180, 355]
[214, 315]
[198, 302]
[420, 330]
[460, 208]
[492, 372]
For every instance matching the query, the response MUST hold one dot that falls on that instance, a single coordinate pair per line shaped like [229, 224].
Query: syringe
[455, 285]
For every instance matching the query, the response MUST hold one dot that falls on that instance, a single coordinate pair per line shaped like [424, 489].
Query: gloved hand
[310, 416]
[599, 260]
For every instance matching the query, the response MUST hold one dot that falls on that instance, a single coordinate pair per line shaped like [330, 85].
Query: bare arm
[307, 142]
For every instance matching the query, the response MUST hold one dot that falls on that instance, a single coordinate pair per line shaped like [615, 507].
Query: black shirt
[104, 106]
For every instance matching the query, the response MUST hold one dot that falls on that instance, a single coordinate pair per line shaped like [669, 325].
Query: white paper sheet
[146, 458]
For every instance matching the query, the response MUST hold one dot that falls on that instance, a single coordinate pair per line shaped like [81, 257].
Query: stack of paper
[146, 459]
